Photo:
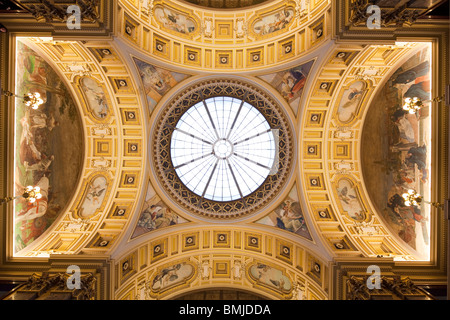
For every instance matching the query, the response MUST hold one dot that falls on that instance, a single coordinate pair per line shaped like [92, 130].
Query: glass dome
[223, 149]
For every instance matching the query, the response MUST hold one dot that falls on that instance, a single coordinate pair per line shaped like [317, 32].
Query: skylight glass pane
[223, 149]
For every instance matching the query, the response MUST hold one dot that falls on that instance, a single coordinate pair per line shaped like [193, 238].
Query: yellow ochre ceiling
[121, 87]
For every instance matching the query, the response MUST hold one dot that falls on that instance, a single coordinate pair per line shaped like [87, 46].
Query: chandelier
[412, 198]
[30, 194]
[413, 105]
[32, 100]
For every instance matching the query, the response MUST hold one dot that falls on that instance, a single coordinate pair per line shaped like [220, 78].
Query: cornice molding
[52, 19]
[344, 269]
[345, 31]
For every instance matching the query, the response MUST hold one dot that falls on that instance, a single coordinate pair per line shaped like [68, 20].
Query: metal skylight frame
[223, 149]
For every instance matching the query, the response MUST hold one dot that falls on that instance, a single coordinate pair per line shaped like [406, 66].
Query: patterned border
[164, 167]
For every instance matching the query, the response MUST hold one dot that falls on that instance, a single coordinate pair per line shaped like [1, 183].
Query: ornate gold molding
[395, 15]
[96, 17]
[227, 40]
[220, 256]
[166, 123]
[51, 287]
[338, 139]
[388, 288]
[396, 21]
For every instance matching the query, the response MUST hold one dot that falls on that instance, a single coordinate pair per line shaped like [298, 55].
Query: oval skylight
[223, 149]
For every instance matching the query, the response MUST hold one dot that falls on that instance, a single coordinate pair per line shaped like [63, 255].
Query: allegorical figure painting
[96, 98]
[290, 83]
[95, 194]
[155, 215]
[273, 22]
[349, 199]
[288, 216]
[174, 21]
[271, 277]
[396, 150]
[48, 144]
[350, 101]
[172, 276]
[156, 81]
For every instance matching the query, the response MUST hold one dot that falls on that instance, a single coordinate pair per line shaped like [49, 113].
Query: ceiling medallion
[222, 149]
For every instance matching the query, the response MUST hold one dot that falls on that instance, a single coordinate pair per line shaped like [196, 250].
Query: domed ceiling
[401, 159]
[50, 146]
[101, 148]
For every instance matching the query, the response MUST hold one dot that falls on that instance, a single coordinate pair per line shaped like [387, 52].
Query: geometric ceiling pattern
[350, 150]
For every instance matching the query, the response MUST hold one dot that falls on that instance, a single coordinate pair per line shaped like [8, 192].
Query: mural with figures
[175, 21]
[156, 81]
[273, 22]
[290, 83]
[96, 98]
[396, 151]
[172, 276]
[49, 147]
[351, 101]
[270, 277]
[350, 201]
[95, 194]
[288, 216]
[155, 215]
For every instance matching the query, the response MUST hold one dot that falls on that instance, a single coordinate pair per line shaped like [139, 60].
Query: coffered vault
[330, 85]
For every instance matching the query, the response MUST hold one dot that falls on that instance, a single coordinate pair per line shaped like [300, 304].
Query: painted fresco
[174, 21]
[95, 194]
[270, 277]
[49, 147]
[156, 81]
[273, 22]
[155, 215]
[350, 201]
[288, 216]
[96, 98]
[351, 101]
[396, 150]
[290, 83]
[172, 276]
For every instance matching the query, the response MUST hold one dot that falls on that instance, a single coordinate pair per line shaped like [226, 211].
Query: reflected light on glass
[223, 149]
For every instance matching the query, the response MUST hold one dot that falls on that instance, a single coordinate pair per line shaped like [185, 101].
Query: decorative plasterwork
[205, 39]
[395, 21]
[51, 12]
[154, 215]
[54, 287]
[393, 14]
[115, 147]
[337, 166]
[167, 121]
[389, 288]
[207, 257]
[67, 19]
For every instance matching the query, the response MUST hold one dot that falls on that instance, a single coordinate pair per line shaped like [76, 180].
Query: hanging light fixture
[31, 194]
[32, 100]
[412, 198]
[413, 105]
